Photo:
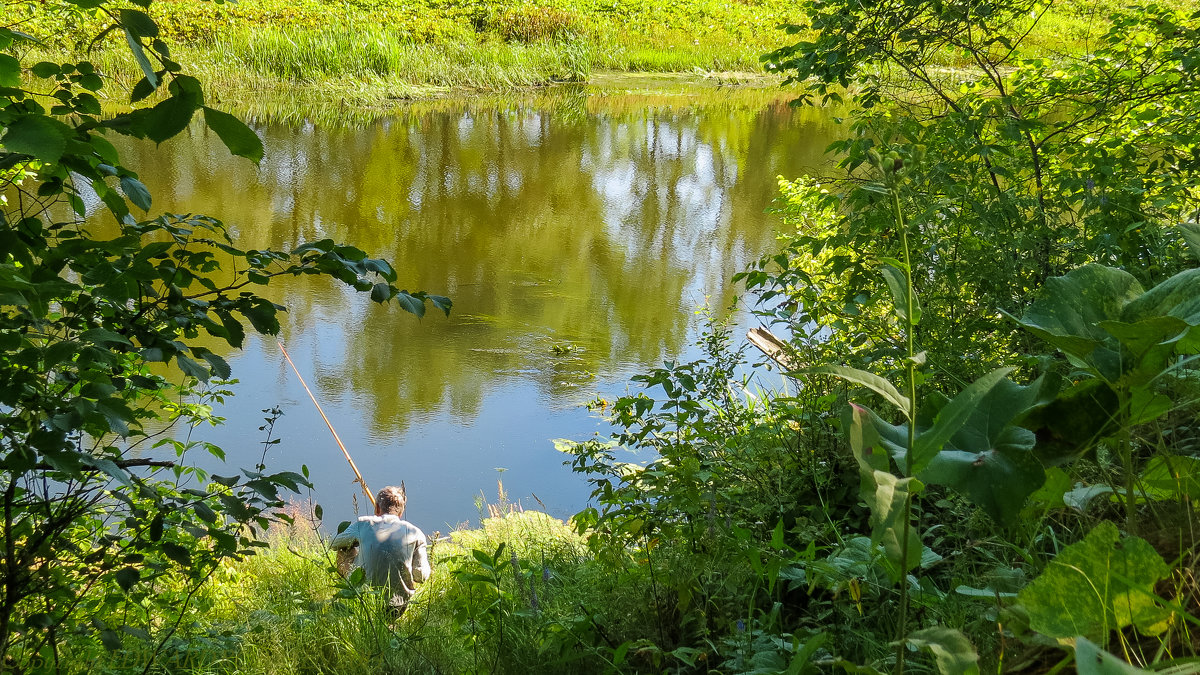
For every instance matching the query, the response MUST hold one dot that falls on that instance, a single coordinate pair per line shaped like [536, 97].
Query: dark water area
[578, 232]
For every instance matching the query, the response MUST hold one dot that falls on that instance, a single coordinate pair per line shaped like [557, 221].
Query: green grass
[287, 611]
[365, 52]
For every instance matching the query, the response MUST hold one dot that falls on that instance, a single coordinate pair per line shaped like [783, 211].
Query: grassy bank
[369, 52]
[520, 594]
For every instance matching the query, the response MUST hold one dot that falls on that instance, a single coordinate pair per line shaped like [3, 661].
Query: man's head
[391, 499]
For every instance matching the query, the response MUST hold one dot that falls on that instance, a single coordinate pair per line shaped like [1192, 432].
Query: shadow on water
[577, 231]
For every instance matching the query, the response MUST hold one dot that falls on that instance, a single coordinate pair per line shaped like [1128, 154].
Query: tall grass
[370, 52]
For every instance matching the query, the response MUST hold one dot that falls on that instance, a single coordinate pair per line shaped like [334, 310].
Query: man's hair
[391, 499]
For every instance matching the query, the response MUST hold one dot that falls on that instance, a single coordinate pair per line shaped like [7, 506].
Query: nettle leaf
[1098, 585]
[41, 137]
[235, 134]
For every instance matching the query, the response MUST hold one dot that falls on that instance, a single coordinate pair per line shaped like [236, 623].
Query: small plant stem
[910, 373]
[1125, 440]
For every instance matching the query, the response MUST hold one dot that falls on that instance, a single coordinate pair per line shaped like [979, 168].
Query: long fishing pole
[358, 476]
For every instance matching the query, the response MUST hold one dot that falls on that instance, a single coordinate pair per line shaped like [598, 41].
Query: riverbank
[372, 54]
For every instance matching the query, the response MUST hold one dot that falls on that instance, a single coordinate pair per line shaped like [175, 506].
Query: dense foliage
[988, 459]
[108, 329]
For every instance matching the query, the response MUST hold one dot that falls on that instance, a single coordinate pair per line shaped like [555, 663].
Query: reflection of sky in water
[603, 230]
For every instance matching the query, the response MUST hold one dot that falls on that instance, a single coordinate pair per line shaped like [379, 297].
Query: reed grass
[381, 54]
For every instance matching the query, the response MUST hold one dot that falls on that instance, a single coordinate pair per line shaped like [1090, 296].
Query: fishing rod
[358, 476]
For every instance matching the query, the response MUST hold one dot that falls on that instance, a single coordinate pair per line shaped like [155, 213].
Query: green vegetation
[1015, 245]
[367, 52]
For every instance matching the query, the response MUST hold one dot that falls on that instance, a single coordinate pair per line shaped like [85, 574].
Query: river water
[577, 230]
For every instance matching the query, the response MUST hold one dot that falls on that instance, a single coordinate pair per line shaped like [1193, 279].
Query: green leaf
[1098, 585]
[441, 302]
[1070, 425]
[239, 138]
[139, 55]
[42, 137]
[950, 648]
[950, 419]
[410, 304]
[190, 367]
[167, 119]
[45, 69]
[874, 382]
[136, 192]
[126, 577]
[178, 553]
[141, 90]
[897, 283]
[139, 23]
[381, 292]
[10, 71]
[103, 336]
[1191, 235]
[110, 467]
[1071, 307]
[888, 510]
[1091, 660]
[1172, 477]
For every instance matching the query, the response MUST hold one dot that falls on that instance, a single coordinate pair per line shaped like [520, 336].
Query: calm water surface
[592, 219]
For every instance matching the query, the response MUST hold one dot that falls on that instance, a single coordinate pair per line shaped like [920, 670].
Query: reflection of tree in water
[572, 224]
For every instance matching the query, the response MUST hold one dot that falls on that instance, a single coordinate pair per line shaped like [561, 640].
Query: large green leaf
[950, 648]
[1191, 235]
[888, 511]
[990, 459]
[1069, 313]
[885, 494]
[239, 138]
[167, 119]
[42, 137]
[1098, 585]
[1178, 296]
[951, 418]
[1071, 424]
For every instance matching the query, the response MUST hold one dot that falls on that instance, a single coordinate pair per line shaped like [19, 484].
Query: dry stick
[358, 476]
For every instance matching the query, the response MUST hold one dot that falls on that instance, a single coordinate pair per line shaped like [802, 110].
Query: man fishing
[391, 551]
